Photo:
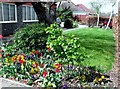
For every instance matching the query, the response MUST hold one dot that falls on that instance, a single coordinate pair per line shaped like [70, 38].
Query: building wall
[10, 27]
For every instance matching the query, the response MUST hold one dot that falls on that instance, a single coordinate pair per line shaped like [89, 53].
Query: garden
[42, 56]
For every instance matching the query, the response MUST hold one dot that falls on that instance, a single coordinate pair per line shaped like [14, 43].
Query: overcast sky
[106, 8]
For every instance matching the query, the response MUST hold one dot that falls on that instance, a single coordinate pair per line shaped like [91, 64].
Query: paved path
[10, 83]
[79, 26]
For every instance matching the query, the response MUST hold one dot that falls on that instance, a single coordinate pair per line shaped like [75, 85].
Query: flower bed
[54, 62]
[40, 69]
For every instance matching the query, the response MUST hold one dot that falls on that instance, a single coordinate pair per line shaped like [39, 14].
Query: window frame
[15, 21]
[31, 14]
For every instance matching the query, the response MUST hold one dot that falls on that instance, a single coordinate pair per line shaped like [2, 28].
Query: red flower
[41, 65]
[41, 55]
[35, 64]
[49, 49]
[21, 61]
[44, 74]
[36, 51]
[57, 70]
[1, 36]
[58, 66]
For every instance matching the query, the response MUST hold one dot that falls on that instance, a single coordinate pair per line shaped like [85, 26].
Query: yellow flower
[50, 85]
[96, 80]
[83, 77]
[36, 69]
[102, 77]
[32, 70]
[22, 57]
[47, 46]
[6, 60]
[22, 66]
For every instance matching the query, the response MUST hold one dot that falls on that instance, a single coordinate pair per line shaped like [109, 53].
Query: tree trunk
[98, 18]
[42, 13]
[110, 17]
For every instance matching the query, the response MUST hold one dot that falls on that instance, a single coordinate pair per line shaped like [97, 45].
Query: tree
[43, 11]
[96, 6]
[114, 3]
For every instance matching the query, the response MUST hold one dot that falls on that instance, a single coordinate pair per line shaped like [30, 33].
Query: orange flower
[0, 55]
[13, 59]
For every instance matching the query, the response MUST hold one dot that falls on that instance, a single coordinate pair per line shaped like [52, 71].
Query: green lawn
[99, 45]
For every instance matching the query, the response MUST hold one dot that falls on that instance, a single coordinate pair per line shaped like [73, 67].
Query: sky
[105, 8]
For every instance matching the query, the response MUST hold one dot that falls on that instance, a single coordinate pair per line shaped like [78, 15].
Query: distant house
[80, 12]
[13, 16]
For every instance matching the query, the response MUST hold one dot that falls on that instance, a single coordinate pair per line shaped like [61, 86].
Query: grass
[99, 46]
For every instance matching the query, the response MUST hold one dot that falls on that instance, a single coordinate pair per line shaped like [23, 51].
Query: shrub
[64, 47]
[31, 37]
[68, 23]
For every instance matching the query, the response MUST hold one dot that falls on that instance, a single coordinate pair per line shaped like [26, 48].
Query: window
[7, 13]
[29, 14]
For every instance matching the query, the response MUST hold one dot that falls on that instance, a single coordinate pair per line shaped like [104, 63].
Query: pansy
[44, 73]
[34, 64]
[32, 70]
[49, 49]
[47, 46]
[56, 66]
[41, 55]
[21, 61]
[41, 65]
[36, 51]
[13, 59]
[6, 60]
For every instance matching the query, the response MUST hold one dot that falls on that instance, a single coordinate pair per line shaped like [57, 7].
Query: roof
[84, 8]
[80, 8]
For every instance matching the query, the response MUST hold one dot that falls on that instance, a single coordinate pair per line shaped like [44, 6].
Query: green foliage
[68, 23]
[64, 13]
[31, 37]
[65, 47]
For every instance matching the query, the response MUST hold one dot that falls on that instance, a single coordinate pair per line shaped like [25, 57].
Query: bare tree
[96, 6]
[113, 4]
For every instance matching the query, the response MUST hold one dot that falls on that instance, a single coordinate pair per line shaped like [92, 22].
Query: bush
[64, 47]
[68, 23]
[31, 37]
